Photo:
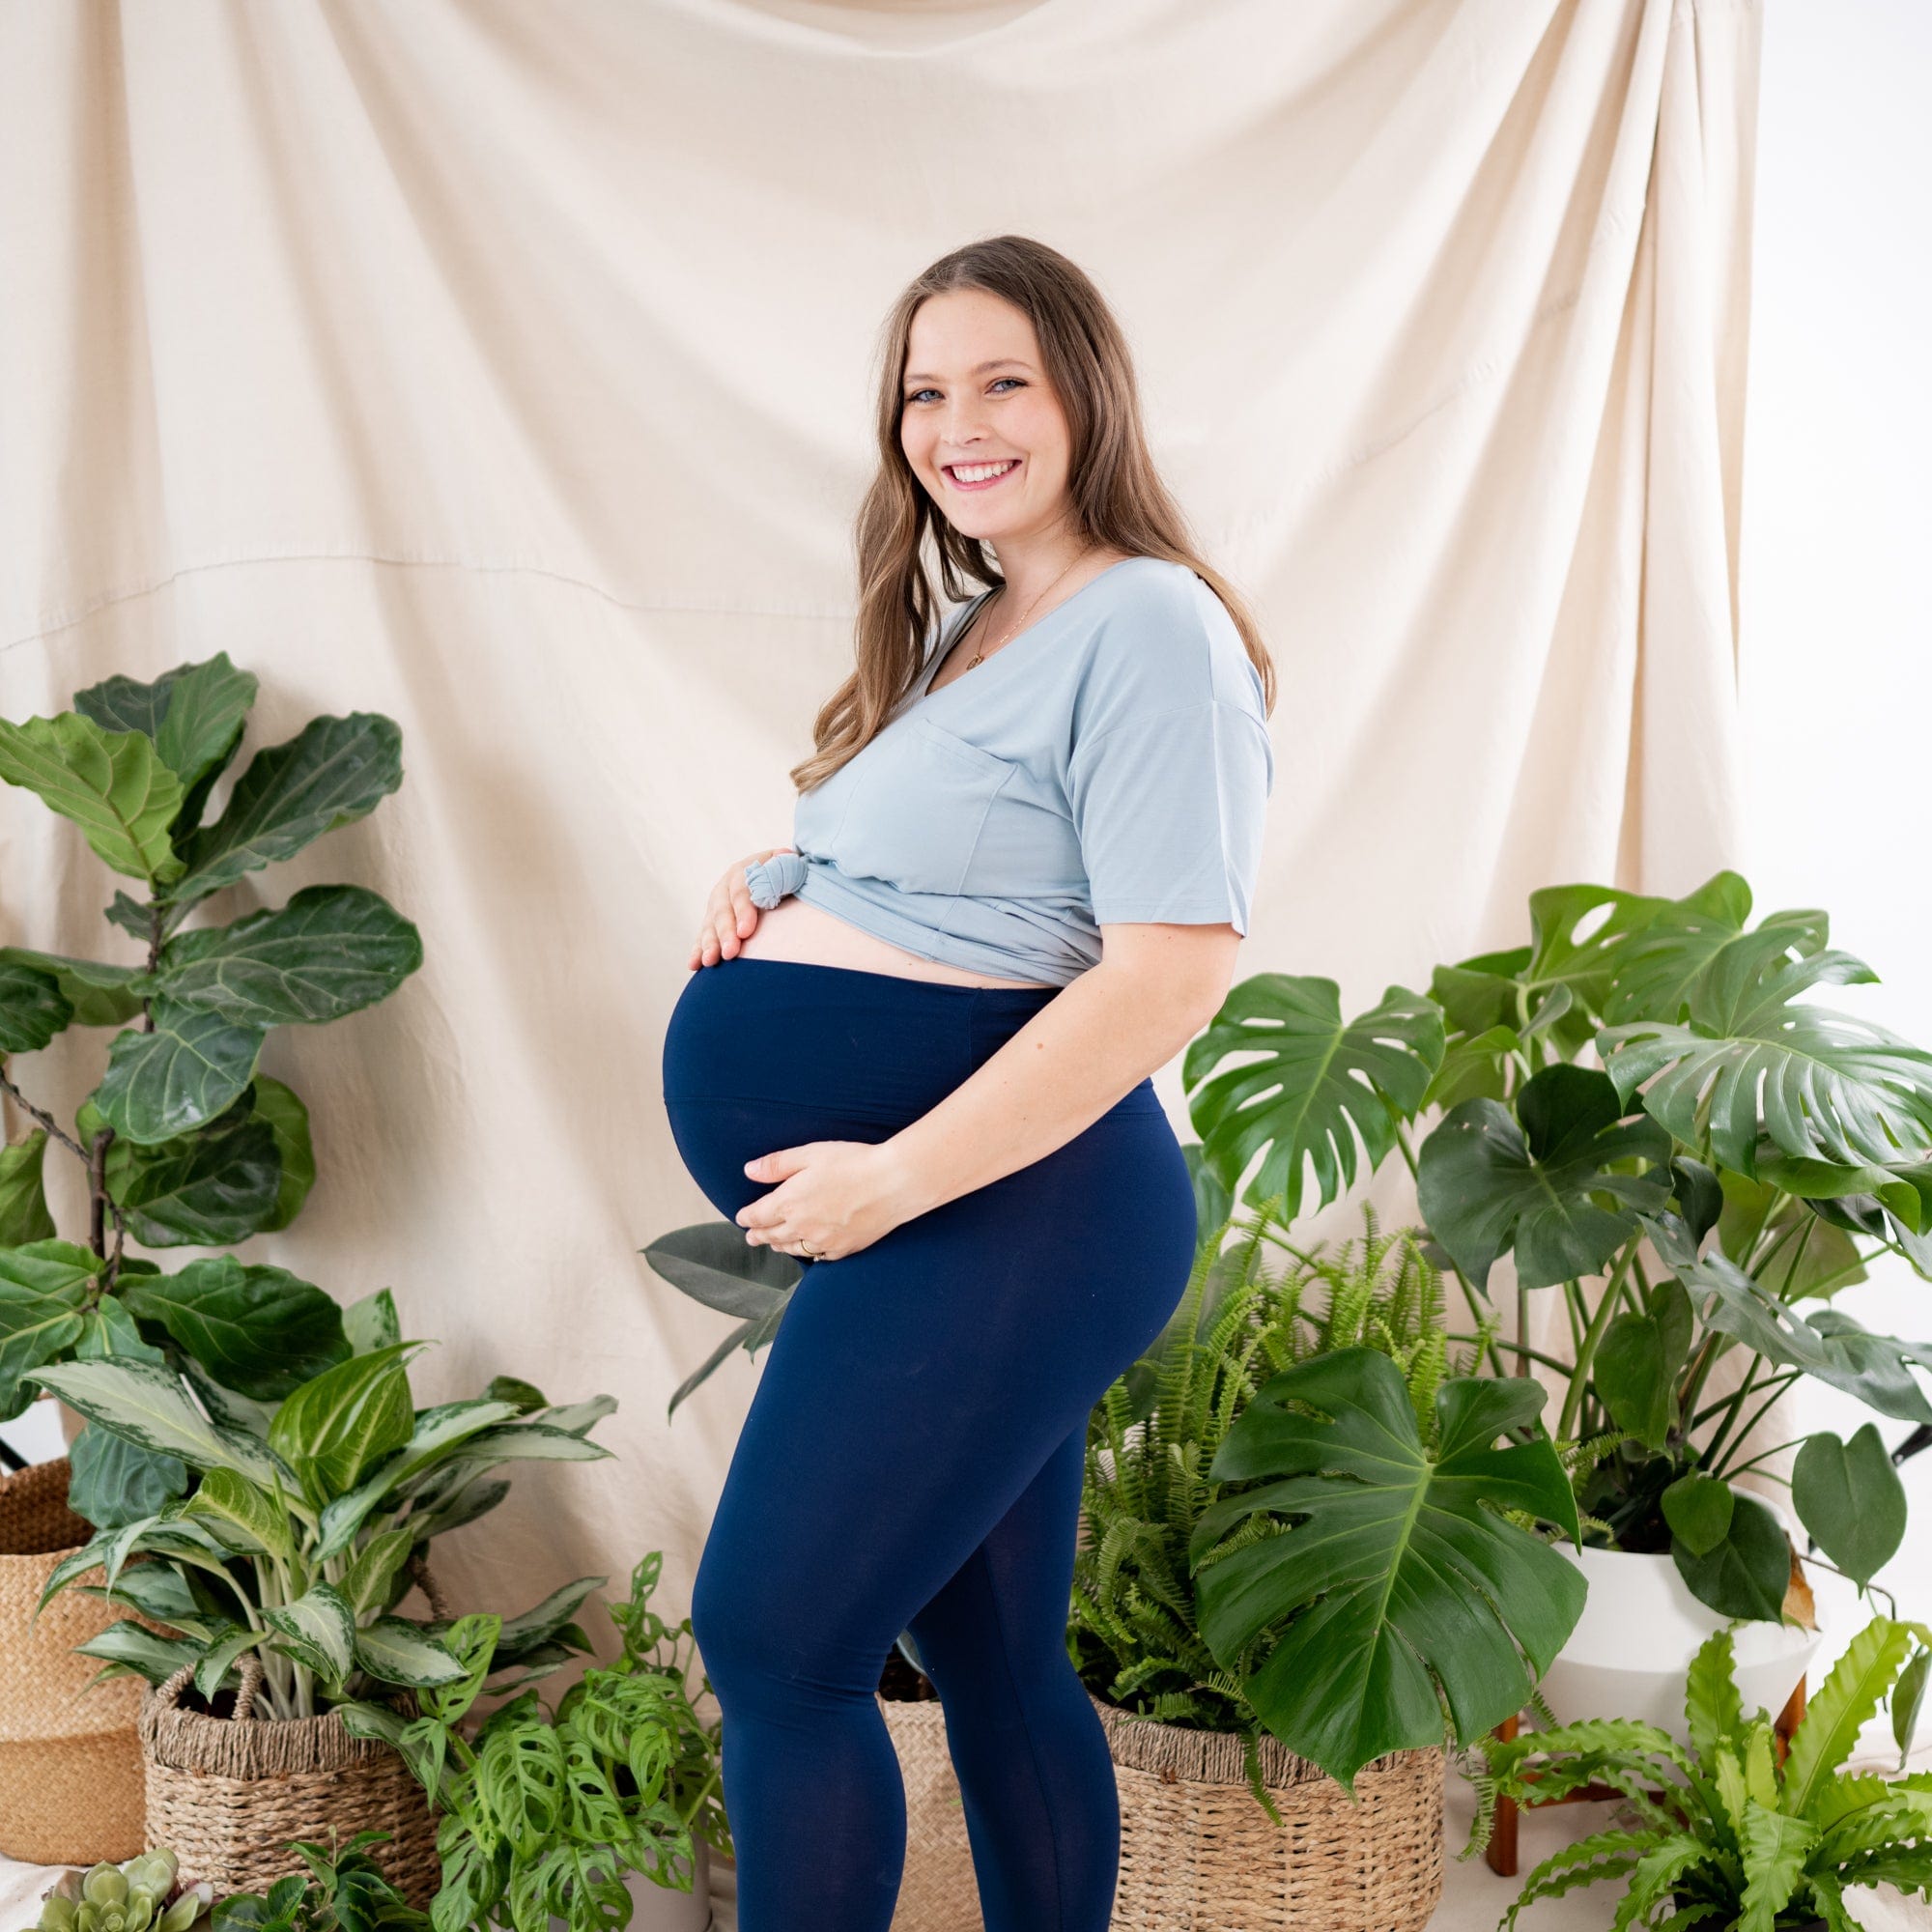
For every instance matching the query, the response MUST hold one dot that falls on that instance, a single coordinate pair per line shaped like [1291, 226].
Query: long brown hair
[1119, 499]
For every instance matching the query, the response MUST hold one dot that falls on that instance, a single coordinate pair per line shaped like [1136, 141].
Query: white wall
[1838, 507]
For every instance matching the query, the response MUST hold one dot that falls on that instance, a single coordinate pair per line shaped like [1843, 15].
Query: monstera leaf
[1486, 1184]
[1694, 942]
[1836, 1089]
[1399, 1589]
[1319, 1083]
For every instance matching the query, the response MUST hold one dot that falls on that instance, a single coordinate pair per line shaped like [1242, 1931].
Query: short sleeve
[1168, 808]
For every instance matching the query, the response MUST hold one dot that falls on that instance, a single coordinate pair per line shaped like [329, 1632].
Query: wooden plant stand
[1502, 1851]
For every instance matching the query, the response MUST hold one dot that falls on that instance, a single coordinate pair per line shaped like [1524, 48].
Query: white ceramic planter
[657, 1907]
[1640, 1629]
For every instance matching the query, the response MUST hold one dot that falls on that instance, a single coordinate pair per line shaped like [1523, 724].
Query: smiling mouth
[983, 482]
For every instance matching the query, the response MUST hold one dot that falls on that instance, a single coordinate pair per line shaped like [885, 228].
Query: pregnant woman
[915, 1050]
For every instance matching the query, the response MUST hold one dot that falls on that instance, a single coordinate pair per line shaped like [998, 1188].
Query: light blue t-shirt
[1111, 763]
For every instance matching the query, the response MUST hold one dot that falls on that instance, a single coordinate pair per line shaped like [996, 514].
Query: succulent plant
[136, 1895]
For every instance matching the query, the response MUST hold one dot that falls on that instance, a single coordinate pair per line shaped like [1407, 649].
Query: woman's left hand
[834, 1198]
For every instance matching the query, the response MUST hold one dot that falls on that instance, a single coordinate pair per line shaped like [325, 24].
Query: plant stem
[48, 1120]
[1606, 1308]
[1764, 1455]
[1744, 1435]
[1563, 1368]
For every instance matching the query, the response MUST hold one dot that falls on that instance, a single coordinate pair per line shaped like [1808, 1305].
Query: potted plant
[1194, 1619]
[575, 1817]
[280, 1573]
[1697, 1200]
[1730, 1830]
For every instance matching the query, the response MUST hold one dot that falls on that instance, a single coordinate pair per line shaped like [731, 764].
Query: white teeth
[978, 473]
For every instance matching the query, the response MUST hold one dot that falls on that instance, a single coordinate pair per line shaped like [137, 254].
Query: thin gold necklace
[981, 656]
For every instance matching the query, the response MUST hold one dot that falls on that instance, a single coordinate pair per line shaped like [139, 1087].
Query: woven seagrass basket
[1198, 1854]
[938, 1891]
[69, 1757]
[228, 1793]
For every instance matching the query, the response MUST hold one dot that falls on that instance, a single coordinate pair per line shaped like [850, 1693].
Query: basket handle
[167, 1694]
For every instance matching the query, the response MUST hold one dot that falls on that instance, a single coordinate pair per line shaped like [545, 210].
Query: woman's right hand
[729, 916]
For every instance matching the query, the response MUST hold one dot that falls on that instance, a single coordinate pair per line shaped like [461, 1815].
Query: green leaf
[1746, 1574]
[335, 771]
[542, 1621]
[396, 1651]
[110, 783]
[1698, 1510]
[200, 1189]
[332, 949]
[44, 1287]
[1318, 1084]
[24, 1215]
[113, 1481]
[435, 1435]
[257, 1329]
[280, 1107]
[1712, 1711]
[212, 1671]
[1849, 1496]
[1906, 1698]
[98, 993]
[152, 1406]
[367, 1584]
[1829, 1344]
[334, 1428]
[243, 1516]
[1633, 1379]
[193, 713]
[156, 1658]
[710, 1262]
[317, 1630]
[1402, 1589]
[1691, 944]
[1848, 1699]
[182, 1075]
[372, 1324]
[1485, 1185]
[1833, 1088]
[1774, 1847]
[32, 1008]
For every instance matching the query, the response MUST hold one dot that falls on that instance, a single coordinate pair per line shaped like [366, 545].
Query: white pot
[657, 1907]
[1640, 1629]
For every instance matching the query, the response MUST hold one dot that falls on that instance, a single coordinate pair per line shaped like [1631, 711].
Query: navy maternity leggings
[913, 1455]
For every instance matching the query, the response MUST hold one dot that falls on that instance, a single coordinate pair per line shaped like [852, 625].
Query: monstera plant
[1705, 1190]
[183, 1142]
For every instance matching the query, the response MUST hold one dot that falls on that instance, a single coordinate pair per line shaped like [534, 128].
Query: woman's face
[975, 394]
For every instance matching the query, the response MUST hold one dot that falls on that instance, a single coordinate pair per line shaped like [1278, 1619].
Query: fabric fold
[769, 880]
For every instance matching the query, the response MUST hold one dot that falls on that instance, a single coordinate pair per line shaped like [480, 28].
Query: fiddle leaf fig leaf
[190, 1069]
[100, 994]
[1319, 1083]
[1486, 1184]
[33, 1008]
[111, 784]
[258, 1330]
[194, 714]
[335, 771]
[44, 1286]
[1400, 1589]
[332, 949]
[24, 1215]
[281, 1109]
[1835, 1088]
[198, 1189]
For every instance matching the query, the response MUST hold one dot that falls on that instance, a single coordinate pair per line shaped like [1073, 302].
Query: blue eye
[918, 394]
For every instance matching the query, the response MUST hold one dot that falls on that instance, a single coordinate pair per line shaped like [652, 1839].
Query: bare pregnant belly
[793, 929]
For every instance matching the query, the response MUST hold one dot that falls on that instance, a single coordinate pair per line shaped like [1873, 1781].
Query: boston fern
[1153, 1628]
[1725, 1836]
[308, 1518]
[1701, 1192]
[184, 1142]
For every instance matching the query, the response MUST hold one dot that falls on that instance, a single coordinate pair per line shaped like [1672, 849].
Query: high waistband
[878, 1045]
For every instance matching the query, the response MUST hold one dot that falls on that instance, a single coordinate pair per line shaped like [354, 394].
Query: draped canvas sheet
[505, 367]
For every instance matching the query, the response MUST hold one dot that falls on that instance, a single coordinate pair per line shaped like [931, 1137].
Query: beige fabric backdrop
[503, 367]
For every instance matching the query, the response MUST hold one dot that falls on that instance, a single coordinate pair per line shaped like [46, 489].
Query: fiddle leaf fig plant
[1705, 1189]
[184, 1142]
